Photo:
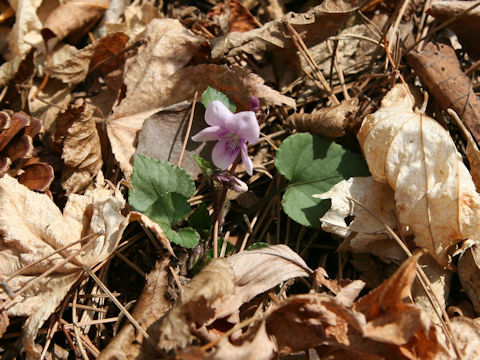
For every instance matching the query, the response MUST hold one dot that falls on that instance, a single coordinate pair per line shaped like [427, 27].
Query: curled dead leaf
[331, 122]
[439, 69]
[434, 192]
[81, 150]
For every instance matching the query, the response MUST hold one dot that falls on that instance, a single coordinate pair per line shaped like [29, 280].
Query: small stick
[224, 244]
[189, 128]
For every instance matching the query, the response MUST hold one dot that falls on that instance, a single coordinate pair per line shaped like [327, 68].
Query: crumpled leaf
[73, 18]
[76, 68]
[434, 192]
[81, 150]
[223, 286]
[26, 30]
[380, 325]
[363, 227]
[33, 227]
[317, 24]
[330, 122]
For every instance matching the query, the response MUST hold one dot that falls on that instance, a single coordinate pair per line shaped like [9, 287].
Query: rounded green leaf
[152, 179]
[313, 165]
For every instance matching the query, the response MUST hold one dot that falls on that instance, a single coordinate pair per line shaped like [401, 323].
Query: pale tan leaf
[259, 270]
[26, 30]
[317, 25]
[261, 347]
[196, 306]
[434, 192]
[33, 227]
[364, 228]
[81, 150]
[55, 92]
[223, 286]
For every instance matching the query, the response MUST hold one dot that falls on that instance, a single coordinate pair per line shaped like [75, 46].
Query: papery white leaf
[434, 192]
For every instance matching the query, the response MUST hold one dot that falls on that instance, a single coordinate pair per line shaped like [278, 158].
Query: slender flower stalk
[233, 132]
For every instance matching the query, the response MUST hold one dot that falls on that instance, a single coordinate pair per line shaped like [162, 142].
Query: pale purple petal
[208, 134]
[222, 155]
[217, 113]
[246, 160]
[245, 125]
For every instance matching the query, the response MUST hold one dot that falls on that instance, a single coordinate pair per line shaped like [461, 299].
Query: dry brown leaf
[237, 83]
[467, 335]
[380, 325]
[55, 92]
[76, 68]
[222, 287]
[364, 228]
[469, 274]
[317, 24]
[331, 122]
[465, 27]
[73, 19]
[150, 306]
[33, 227]
[390, 320]
[434, 192]
[4, 321]
[81, 150]
[439, 69]
[172, 123]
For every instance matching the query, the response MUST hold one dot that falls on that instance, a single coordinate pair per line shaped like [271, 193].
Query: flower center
[233, 142]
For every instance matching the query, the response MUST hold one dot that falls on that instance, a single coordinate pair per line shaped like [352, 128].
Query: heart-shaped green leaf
[313, 165]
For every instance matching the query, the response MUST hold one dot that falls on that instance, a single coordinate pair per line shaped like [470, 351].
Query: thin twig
[119, 305]
[189, 128]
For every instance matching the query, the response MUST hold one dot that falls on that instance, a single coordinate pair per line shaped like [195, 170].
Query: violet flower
[232, 131]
